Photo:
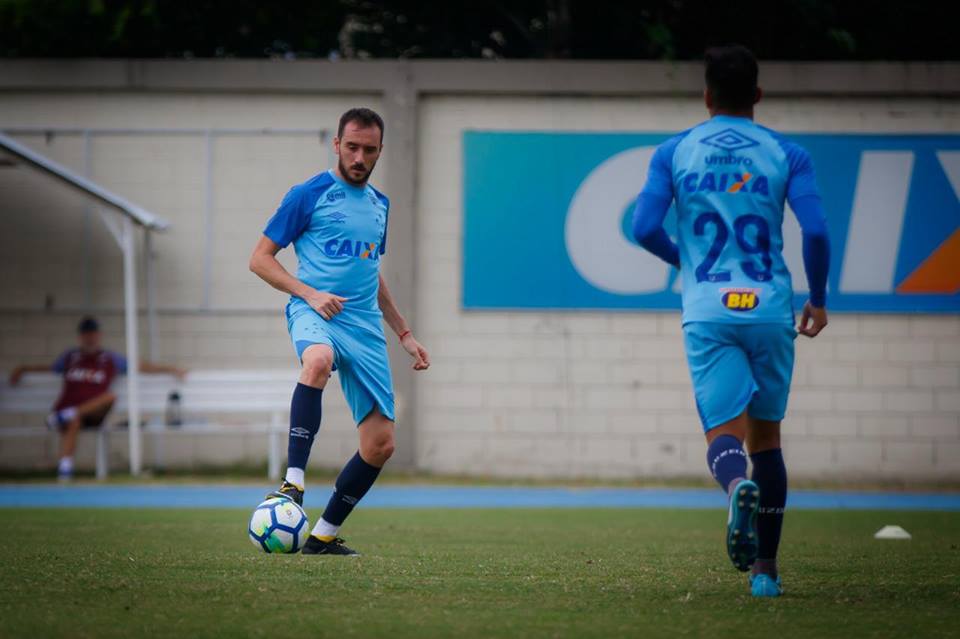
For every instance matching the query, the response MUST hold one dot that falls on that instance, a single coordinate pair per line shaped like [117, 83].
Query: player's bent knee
[317, 366]
[387, 448]
[379, 450]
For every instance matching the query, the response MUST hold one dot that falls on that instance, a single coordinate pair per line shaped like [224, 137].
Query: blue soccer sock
[354, 481]
[305, 413]
[727, 461]
[770, 474]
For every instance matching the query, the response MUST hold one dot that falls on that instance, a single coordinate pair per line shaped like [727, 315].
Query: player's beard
[344, 171]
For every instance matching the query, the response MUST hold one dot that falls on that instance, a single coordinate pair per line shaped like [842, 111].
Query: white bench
[262, 397]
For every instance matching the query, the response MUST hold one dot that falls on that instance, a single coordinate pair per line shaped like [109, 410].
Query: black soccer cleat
[290, 491]
[315, 546]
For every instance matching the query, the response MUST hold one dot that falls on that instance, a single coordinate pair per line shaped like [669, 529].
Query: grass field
[473, 573]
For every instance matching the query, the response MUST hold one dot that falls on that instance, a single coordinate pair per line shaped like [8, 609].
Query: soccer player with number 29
[730, 178]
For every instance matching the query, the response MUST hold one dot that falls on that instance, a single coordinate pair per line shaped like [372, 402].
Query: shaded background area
[577, 29]
[206, 112]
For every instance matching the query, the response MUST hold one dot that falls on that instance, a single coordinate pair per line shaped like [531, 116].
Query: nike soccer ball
[278, 525]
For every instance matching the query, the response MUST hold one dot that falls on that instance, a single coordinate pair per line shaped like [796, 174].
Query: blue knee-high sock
[354, 481]
[726, 460]
[770, 474]
[305, 413]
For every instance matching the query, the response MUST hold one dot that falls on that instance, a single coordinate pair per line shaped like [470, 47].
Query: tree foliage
[583, 29]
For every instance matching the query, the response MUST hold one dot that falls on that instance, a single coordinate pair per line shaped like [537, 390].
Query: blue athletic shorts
[359, 354]
[739, 366]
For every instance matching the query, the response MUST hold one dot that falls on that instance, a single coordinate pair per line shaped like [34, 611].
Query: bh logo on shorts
[740, 299]
[352, 248]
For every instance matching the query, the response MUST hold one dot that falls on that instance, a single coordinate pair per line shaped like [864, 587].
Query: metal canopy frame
[121, 218]
[207, 137]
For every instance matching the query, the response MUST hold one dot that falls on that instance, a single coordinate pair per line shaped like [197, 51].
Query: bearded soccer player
[730, 178]
[337, 223]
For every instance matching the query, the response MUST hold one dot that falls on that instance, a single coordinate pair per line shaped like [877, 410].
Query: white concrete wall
[551, 394]
[510, 394]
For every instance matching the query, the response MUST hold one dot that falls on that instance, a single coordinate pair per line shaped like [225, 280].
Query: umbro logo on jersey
[373, 198]
[729, 140]
[299, 431]
[337, 217]
[740, 299]
[728, 160]
[333, 196]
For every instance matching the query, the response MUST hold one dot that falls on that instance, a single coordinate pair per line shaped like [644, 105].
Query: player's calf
[352, 484]
[357, 476]
[727, 461]
[728, 465]
[770, 475]
[306, 411]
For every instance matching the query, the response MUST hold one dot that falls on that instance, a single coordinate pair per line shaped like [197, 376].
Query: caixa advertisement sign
[547, 221]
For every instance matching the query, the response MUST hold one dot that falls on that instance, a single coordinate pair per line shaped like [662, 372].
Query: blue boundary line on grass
[414, 496]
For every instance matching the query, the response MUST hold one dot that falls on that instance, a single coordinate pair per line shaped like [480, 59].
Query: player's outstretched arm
[395, 320]
[265, 265]
[18, 373]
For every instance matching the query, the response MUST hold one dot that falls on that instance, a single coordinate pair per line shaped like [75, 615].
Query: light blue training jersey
[730, 178]
[339, 232]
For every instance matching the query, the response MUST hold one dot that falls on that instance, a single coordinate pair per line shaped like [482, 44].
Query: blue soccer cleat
[763, 585]
[742, 525]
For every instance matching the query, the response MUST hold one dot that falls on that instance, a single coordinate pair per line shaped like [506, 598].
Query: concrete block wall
[541, 394]
[554, 394]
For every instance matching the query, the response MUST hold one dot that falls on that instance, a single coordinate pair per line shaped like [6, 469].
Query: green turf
[473, 573]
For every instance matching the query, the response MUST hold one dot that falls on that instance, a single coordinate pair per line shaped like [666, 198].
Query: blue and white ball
[278, 525]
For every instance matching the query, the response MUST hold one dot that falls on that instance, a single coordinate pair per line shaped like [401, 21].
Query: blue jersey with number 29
[730, 178]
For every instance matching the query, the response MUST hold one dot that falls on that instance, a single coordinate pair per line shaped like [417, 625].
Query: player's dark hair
[364, 117]
[88, 325]
[731, 75]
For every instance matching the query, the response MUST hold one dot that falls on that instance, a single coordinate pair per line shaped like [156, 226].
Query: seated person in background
[85, 399]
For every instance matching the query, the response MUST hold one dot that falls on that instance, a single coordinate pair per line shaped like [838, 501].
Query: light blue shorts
[359, 354]
[737, 367]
